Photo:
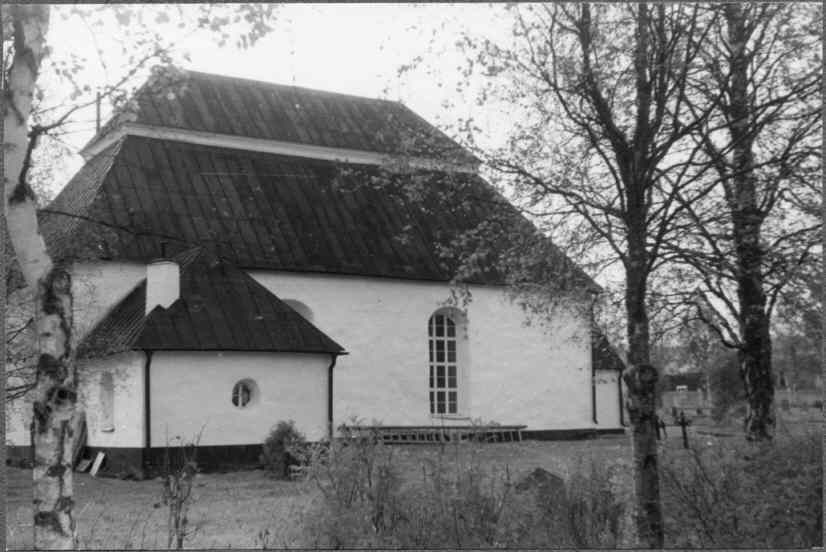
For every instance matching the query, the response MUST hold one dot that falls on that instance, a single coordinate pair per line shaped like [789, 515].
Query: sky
[349, 48]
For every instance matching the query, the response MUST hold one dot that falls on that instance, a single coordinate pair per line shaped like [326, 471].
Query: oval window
[243, 393]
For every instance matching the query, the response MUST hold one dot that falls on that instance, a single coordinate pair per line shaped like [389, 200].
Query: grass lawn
[232, 510]
[249, 509]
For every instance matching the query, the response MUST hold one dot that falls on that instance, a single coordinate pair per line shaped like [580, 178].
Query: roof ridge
[218, 76]
[111, 152]
[225, 105]
[88, 347]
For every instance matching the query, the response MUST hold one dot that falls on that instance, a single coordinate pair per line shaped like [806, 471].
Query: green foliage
[279, 450]
[745, 495]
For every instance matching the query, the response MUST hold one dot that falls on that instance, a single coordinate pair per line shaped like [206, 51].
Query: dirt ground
[248, 509]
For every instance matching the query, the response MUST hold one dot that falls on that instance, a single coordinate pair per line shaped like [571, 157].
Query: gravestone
[544, 481]
[549, 494]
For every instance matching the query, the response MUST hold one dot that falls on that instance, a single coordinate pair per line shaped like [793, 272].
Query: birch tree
[55, 392]
[25, 29]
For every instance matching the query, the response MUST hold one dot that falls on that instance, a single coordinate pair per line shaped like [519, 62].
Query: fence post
[684, 425]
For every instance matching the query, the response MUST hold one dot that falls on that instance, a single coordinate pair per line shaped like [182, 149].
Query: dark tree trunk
[747, 219]
[756, 347]
[641, 379]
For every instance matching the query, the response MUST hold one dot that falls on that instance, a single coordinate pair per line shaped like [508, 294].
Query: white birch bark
[55, 393]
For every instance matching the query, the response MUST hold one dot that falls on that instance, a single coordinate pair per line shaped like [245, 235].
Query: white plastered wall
[98, 286]
[193, 390]
[538, 374]
[127, 424]
[608, 399]
[127, 399]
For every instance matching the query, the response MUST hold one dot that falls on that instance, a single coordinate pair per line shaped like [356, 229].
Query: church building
[246, 252]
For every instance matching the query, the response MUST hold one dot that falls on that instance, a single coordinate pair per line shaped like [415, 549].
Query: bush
[279, 450]
[450, 500]
[595, 512]
[359, 486]
[731, 495]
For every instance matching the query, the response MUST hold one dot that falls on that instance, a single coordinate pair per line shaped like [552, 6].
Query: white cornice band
[230, 141]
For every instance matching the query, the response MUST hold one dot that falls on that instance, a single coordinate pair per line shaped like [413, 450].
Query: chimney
[163, 282]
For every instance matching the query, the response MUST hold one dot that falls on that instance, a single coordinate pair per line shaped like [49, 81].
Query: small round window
[243, 393]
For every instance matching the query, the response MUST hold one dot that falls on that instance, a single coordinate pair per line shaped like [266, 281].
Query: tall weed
[726, 494]
[370, 497]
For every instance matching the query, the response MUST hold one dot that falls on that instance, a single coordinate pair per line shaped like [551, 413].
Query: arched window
[444, 377]
[299, 307]
[107, 402]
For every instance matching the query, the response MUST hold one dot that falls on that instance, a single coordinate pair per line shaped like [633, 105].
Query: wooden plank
[79, 429]
[285, 104]
[280, 127]
[244, 119]
[218, 106]
[248, 300]
[83, 465]
[277, 226]
[97, 463]
[201, 115]
[259, 124]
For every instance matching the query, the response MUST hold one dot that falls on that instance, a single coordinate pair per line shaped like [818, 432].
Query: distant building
[687, 392]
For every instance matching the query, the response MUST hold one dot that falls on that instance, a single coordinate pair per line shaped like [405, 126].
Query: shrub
[178, 472]
[279, 450]
[451, 500]
[595, 512]
[727, 495]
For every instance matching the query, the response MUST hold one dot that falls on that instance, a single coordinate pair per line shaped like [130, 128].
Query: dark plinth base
[140, 463]
[569, 434]
[19, 455]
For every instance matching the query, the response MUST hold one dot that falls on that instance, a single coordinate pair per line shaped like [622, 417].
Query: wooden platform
[439, 434]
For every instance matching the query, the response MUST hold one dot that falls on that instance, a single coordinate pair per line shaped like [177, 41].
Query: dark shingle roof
[220, 308]
[228, 105]
[261, 210]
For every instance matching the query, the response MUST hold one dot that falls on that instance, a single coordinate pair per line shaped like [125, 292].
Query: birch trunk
[55, 393]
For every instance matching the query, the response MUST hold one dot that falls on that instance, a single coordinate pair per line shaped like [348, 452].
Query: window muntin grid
[242, 393]
[443, 365]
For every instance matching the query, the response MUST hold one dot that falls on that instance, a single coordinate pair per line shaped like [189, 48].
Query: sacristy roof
[220, 308]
